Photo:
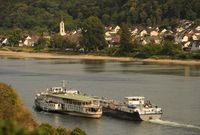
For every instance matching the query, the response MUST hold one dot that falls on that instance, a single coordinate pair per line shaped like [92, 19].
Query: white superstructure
[59, 99]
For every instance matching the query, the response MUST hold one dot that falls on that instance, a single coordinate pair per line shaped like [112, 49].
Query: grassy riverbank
[41, 55]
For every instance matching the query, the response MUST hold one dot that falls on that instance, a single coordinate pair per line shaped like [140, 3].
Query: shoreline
[92, 57]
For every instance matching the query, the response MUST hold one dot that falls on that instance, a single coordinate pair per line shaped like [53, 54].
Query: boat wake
[174, 124]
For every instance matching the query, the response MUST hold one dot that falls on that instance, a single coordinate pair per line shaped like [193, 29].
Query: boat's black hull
[121, 114]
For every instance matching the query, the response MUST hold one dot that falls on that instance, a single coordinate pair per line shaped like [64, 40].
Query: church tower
[62, 28]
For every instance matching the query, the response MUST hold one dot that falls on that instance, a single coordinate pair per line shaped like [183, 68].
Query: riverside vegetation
[15, 119]
[36, 17]
[93, 42]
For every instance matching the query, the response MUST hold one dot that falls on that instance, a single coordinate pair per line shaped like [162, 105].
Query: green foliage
[78, 131]
[92, 35]
[16, 120]
[184, 55]
[39, 14]
[61, 43]
[15, 36]
[125, 41]
[196, 56]
[149, 50]
[111, 51]
[171, 49]
[166, 50]
[10, 128]
[137, 46]
[62, 131]
[41, 43]
[47, 129]
[11, 108]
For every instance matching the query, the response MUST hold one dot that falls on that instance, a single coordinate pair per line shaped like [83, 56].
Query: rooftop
[135, 97]
[74, 97]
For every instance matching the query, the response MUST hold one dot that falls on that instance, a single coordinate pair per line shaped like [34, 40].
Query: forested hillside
[44, 15]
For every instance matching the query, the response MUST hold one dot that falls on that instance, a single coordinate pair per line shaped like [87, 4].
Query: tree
[92, 35]
[78, 131]
[62, 43]
[149, 50]
[41, 43]
[15, 37]
[125, 40]
[171, 49]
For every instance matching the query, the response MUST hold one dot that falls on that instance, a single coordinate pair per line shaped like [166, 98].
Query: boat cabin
[134, 101]
[59, 90]
[56, 90]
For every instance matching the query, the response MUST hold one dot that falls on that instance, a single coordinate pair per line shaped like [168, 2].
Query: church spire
[62, 27]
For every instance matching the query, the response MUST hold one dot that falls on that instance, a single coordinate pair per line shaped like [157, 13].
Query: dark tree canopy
[92, 34]
[62, 43]
[125, 41]
[44, 15]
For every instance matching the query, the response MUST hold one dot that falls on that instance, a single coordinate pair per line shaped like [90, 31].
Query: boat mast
[63, 83]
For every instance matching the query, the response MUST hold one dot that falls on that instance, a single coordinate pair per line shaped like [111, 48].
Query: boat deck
[73, 97]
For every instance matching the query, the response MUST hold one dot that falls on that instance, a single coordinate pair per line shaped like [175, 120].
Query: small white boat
[134, 108]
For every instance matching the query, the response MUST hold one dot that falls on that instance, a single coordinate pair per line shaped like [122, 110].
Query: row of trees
[44, 15]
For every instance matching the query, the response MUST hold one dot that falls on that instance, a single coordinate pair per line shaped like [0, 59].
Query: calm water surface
[175, 88]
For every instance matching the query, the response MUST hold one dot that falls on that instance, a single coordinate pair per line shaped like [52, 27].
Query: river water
[175, 88]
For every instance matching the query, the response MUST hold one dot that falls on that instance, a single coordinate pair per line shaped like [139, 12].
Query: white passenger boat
[134, 108]
[62, 100]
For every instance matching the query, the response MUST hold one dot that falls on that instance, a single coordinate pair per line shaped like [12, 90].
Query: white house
[144, 42]
[185, 39]
[134, 32]
[194, 37]
[29, 41]
[117, 28]
[180, 29]
[154, 33]
[163, 31]
[197, 28]
[186, 44]
[5, 41]
[21, 43]
[143, 33]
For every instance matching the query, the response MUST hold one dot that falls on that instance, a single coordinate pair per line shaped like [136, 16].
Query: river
[175, 88]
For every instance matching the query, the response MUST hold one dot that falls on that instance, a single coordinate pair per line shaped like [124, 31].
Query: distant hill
[44, 15]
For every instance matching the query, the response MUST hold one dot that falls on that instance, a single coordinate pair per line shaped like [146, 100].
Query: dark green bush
[78, 131]
[184, 55]
[170, 49]
[196, 56]
[10, 128]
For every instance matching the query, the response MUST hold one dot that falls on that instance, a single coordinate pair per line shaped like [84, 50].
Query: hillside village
[185, 34]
